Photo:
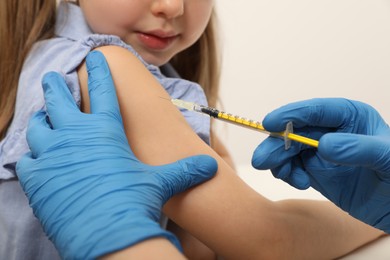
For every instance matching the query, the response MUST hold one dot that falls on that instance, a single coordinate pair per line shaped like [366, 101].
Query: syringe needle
[184, 104]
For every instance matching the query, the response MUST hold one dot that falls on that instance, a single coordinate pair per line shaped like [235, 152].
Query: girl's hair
[22, 23]
[201, 62]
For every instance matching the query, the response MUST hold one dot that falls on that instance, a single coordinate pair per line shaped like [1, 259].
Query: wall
[275, 52]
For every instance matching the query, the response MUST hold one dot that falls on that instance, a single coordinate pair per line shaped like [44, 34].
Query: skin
[151, 249]
[224, 213]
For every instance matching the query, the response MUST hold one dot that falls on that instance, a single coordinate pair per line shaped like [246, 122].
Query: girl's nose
[168, 8]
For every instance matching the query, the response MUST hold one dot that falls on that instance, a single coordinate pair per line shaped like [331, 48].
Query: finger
[271, 153]
[356, 150]
[184, 174]
[329, 112]
[292, 173]
[38, 132]
[59, 101]
[100, 85]
[23, 166]
[282, 171]
[298, 177]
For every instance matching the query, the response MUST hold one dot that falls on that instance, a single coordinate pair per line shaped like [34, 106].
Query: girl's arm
[221, 150]
[224, 213]
[156, 248]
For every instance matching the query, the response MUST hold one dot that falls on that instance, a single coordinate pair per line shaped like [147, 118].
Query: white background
[276, 52]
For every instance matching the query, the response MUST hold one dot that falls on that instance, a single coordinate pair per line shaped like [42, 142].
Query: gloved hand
[351, 166]
[84, 183]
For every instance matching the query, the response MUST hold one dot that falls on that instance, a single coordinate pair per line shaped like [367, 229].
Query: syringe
[287, 135]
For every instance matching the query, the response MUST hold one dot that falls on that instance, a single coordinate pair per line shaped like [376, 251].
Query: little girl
[136, 37]
[59, 40]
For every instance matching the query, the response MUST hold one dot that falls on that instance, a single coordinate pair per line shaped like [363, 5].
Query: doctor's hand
[90, 193]
[351, 166]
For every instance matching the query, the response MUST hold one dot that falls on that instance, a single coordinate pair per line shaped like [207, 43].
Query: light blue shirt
[21, 236]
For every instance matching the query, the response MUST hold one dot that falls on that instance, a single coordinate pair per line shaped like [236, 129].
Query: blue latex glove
[352, 164]
[84, 183]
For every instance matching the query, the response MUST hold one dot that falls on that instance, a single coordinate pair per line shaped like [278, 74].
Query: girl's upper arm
[221, 150]
[151, 122]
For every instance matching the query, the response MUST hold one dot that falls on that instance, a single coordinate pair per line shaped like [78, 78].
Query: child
[157, 31]
[72, 39]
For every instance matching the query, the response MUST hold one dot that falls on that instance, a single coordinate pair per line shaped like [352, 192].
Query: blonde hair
[22, 23]
[201, 62]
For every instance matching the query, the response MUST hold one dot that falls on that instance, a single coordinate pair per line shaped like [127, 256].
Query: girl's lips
[155, 41]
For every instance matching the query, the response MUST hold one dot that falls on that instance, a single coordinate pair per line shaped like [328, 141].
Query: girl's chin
[153, 59]
[156, 59]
